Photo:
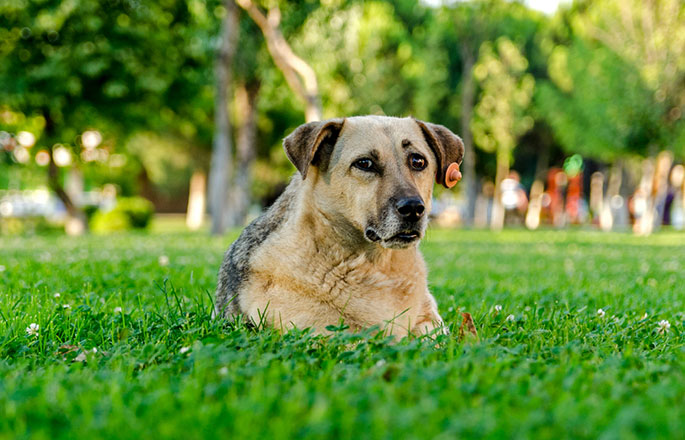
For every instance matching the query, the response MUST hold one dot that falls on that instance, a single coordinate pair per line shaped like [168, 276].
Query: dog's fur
[330, 247]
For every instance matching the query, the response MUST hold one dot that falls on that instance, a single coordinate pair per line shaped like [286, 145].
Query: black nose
[410, 208]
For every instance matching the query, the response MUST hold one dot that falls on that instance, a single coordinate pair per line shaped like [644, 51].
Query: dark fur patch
[235, 268]
[302, 144]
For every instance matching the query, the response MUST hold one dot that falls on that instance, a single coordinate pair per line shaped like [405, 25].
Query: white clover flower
[95, 350]
[117, 310]
[163, 260]
[223, 371]
[510, 318]
[498, 308]
[32, 329]
[664, 326]
[184, 350]
[56, 295]
[66, 306]
[601, 313]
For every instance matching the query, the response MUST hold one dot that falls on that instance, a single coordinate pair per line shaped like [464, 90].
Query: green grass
[164, 369]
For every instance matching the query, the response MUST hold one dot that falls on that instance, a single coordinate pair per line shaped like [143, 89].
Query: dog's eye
[417, 162]
[364, 164]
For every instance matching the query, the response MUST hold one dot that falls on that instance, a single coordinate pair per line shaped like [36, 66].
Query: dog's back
[235, 269]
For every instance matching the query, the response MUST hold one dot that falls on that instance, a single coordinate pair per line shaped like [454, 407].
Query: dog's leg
[429, 319]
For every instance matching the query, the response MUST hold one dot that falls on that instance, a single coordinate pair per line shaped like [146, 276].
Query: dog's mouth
[401, 239]
[405, 236]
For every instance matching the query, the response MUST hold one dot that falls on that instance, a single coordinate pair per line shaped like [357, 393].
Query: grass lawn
[126, 348]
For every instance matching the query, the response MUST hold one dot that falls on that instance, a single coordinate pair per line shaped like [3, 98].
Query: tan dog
[341, 242]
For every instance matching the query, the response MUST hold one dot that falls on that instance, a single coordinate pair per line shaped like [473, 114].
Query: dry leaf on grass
[467, 330]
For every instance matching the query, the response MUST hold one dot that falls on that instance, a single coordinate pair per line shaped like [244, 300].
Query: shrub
[129, 212]
[138, 210]
[28, 226]
[110, 221]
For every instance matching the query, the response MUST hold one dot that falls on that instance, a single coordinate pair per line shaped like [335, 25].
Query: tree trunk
[222, 163]
[299, 75]
[467, 103]
[497, 222]
[246, 152]
[76, 223]
[196, 200]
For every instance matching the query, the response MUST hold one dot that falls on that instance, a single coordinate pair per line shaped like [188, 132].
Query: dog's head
[374, 173]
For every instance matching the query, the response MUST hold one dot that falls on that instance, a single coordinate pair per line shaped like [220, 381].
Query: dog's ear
[302, 145]
[447, 148]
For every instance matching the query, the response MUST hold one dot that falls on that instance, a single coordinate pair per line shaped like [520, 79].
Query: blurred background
[115, 112]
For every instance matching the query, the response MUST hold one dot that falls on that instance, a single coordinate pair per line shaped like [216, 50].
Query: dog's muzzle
[401, 224]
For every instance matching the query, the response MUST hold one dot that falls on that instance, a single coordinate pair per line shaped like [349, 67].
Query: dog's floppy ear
[302, 144]
[448, 149]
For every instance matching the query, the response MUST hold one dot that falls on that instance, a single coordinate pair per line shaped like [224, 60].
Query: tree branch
[298, 74]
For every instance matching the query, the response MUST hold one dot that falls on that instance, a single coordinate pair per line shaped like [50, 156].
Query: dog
[341, 242]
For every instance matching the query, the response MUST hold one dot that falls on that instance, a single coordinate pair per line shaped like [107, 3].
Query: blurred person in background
[514, 199]
[556, 190]
[483, 210]
[674, 213]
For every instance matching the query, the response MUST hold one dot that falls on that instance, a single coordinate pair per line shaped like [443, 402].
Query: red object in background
[556, 184]
[573, 197]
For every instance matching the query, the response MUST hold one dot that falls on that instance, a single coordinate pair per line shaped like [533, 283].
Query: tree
[221, 172]
[594, 113]
[464, 27]
[501, 114]
[246, 144]
[249, 67]
[229, 189]
[86, 64]
[590, 111]
[650, 35]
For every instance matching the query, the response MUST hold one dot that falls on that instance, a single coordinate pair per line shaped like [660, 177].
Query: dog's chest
[328, 285]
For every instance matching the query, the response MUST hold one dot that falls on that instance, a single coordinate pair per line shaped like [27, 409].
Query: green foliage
[83, 61]
[162, 367]
[28, 226]
[138, 210]
[616, 85]
[590, 111]
[366, 49]
[605, 88]
[462, 28]
[117, 67]
[103, 222]
[123, 175]
[501, 115]
[129, 212]
[167, 160]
